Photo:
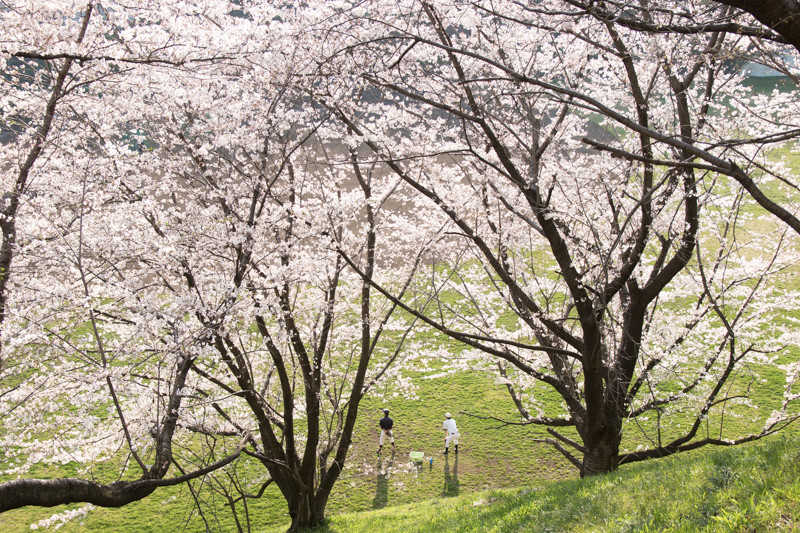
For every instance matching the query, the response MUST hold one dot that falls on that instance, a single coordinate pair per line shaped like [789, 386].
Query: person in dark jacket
[386, 425]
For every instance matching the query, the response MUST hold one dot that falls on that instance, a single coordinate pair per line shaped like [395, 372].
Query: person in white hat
[386, 425]
[451, 433]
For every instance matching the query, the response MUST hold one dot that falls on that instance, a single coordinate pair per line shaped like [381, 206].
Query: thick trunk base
[600, 459]
[306, 514]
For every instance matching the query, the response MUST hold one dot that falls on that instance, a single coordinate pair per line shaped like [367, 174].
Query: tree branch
[52, 492]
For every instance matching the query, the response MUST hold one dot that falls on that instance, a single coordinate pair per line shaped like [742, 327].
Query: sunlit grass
[749, 488]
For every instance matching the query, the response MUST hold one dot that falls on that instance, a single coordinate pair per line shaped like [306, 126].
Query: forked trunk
[305, 511]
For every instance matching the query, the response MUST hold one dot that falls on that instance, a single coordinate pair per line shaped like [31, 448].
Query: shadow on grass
[451, 485]
[382, 482]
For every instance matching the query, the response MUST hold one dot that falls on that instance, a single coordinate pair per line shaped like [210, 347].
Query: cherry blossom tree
[570, 154]
[753, 43]
[293, 339]
[63, 61]
[178, 293]
[53, 55]
[218, 210]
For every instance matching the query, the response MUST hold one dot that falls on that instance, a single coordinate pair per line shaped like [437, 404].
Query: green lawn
[755, 487]
[489, 458]
[481, 488]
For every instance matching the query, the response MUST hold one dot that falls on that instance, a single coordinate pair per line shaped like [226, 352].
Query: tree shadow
[382, 485]
[451, 486]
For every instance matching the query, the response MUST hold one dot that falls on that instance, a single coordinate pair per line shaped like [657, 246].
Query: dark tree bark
[52, 492]
[782, 16]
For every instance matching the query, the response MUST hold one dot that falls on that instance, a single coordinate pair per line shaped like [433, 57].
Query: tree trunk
[601, 456]
[51, 492]
[304, 511]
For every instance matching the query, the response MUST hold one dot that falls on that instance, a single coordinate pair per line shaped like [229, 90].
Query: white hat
[447, 415]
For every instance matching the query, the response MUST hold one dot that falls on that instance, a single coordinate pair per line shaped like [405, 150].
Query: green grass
[750, 488]
[501, 481]
[392, 490]
[490, 458]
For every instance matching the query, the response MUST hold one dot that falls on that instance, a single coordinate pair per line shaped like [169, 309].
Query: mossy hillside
[491, 457]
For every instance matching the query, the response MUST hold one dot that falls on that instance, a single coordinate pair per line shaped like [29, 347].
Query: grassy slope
[489, 458]
[455, 492]
[750, 488]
